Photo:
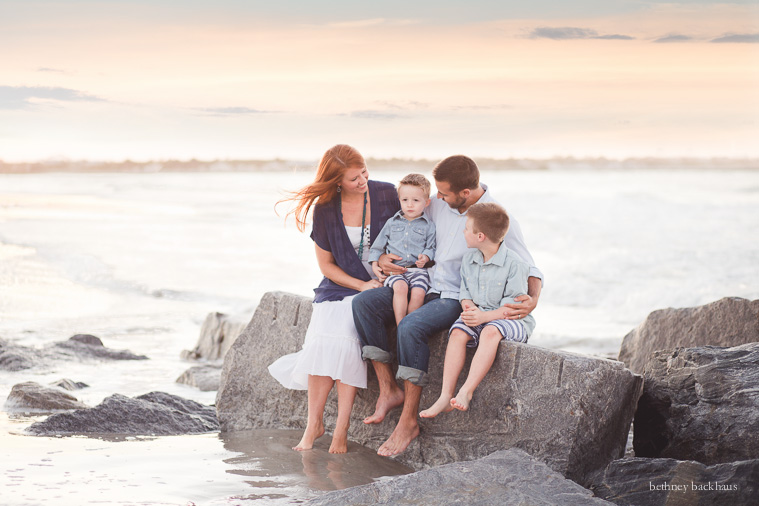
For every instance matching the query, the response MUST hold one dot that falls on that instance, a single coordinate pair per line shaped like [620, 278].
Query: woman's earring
[339, 189]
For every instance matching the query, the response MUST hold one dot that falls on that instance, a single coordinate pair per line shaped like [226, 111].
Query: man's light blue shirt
[496, 282]
[445, 275]
[407, 239]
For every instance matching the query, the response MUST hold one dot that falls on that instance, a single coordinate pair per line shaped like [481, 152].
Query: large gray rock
[700, 404]
[507, 477]
[33, 396]
[662, 482]
[156, 413]
[571, 411]
[731, 321]
[217, 334]
[81, 347]
[206, 378]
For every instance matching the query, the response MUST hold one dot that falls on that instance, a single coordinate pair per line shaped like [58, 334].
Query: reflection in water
[275, 470]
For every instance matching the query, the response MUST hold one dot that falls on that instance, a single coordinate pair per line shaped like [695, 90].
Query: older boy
[410, 235]
[491, 276]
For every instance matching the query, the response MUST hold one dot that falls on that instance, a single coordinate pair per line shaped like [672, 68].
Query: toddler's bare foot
[442, 405]
[310, 435]
[339, 442]
[462, 400]
[385, 404]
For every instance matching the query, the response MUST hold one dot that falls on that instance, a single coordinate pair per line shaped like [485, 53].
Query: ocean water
[140, 259]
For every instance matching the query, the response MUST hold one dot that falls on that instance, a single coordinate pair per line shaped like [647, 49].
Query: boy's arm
[380, 243]
[429, 243]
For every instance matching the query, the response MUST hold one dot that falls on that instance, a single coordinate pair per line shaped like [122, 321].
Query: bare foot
[442, 405]
[385, 404]
[399, 440]
[309, 436]
[462, 400]
[339, 442]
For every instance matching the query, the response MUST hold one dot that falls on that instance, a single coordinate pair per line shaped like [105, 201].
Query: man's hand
[387, 265]
[473, 316]
[423, 259]
[518, 311]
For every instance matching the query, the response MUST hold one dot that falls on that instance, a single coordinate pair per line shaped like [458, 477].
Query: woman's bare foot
[399, 440]
[339, 442]
[462, 400]
[442, 405]
[385, 403]
[310, 435]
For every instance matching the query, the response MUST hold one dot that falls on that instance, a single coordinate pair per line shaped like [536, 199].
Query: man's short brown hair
[459, 171]
[490, 219]
[417, 180]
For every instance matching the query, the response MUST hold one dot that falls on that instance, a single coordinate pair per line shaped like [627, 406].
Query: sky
[246, 79]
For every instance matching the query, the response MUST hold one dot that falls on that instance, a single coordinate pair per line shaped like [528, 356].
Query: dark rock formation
[156, 413]
[204, 377]
[571, 411]
[700, 404]
[33, 396]
[508, 477]
[217, 334]
[80, 347]
[662, 482]
[731, 321]
[70, 385]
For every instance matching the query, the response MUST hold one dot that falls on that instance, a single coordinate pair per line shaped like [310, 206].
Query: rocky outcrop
[217, 334]
[31, 396]
[570, 411]
[504, 478]
[661, 482]
[700, 404]
[206, 378]
[156, 413]
[731, 321]
[80, 347]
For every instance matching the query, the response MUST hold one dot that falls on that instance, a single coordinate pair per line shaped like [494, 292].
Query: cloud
[232, 111]
[738, 37]
[674, 38]
[48, 69]
[403, 105]
[23, 97]
[373, 114]
[570, 33]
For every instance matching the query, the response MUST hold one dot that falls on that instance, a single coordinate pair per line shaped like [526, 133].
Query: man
[457, 179]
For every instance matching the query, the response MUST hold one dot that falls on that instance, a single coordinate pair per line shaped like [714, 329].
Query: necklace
[363, 224]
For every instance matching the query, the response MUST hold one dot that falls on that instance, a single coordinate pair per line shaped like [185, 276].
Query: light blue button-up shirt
[445, 275]
[496, 282]
[407, 239]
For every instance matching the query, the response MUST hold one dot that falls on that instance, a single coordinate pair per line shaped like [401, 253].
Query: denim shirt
[407, 239]
[496, 282]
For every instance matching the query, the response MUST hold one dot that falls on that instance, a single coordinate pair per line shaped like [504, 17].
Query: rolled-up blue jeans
[373, 310]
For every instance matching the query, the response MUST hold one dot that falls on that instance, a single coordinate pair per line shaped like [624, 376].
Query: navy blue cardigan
[329, 234]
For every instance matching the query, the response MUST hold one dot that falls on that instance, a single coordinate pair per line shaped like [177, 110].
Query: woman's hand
[368, 285]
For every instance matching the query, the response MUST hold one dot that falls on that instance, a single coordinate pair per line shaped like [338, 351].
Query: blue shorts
[414, 278]
[511, 330]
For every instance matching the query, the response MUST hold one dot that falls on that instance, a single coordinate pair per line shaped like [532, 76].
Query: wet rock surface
[731, 321]
[700, 404]
[35, 397]
[571, 411]
[155, 413]
[661, 482]
[507, 477]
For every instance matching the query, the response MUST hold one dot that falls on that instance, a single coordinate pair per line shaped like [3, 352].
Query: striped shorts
[414, 278]
[511, 330]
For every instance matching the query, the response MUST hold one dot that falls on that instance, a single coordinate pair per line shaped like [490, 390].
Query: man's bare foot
[309, 436]
[399, 440]
[385, 404]
[442, 405]
[462, 400]
[339, 442]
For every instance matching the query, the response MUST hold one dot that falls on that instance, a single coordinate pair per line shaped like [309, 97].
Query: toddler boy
[491, 276]
[410, 234]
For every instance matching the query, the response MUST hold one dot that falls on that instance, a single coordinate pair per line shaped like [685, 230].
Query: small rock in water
[204, 377]
[87, 339]
[155, 413]
[68, 384]
[33, 396]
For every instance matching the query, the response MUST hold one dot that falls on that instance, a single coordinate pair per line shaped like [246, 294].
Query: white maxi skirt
[331, 348]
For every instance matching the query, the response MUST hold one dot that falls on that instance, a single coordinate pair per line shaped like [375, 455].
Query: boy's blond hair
[417, 180]
[490, 219]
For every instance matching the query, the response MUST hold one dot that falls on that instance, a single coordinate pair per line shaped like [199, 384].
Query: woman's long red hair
[329, 174]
